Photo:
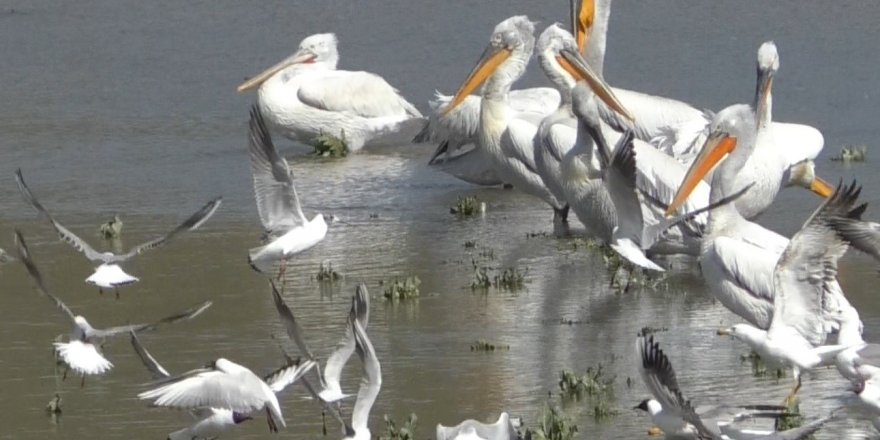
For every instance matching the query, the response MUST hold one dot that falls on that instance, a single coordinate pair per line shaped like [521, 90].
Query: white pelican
[331, 389]
[304, 96]
[502, 135]
[215, 421]
[678, 418]
[502, 429]
[82, 352]
[109, 274]
[288, 228]
[804, 281]
[456, 132]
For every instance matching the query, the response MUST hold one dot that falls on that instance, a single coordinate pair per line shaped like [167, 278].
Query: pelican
[304, 96]
[109, 274]
[215, 421]
[804, 281]
[737, 257]
[678, 418]
[82, 351]
[784, 153]
[289, 230]
[505, 137]
[456, 132]
[331, 389]
[502, 429]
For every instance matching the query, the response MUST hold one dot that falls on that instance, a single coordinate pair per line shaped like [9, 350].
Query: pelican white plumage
[504, 137]
[82, 353]
[280, 211]
[738, 257]
[109, 274]
[502, 429]
[804, 281]
[679, 418]
[331, 388]
[212, 422]
[304, 96]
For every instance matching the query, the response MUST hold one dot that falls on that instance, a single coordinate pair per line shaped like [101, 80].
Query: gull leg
[117, 293]
[323, 421]
[100, 291]
[272, 427]
[792, 396]
[82, 382]
[282, 269]
[64, 376]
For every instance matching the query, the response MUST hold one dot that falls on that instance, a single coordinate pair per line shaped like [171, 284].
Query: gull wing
[149, 361]
[371, 382]
[25, 257]
[360, 311]
[277, 201]
[294, 330]
[209, 388]
[359, 93]
[620, 180]
[287, 375]
[65, 233]
[193, 222]
[659, 377]
[114, 331]
[864, 236]
[807, 270]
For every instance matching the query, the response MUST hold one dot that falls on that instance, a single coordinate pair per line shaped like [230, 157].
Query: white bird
[109, 274]
[456, 132]
[331, 388]
[679, 418]
[804, 283]
[212, 422]
[502, 429]
[505, 137]
[82, 351]
[304, 96]
[288, 228]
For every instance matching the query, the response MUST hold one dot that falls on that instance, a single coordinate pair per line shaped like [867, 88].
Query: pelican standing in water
[304, 96]
[506, 139]
[737, 256]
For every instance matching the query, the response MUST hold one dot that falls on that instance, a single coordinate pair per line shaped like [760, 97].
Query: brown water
[122, 106]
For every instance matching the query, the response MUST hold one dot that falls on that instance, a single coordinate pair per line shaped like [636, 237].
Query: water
[129, 107]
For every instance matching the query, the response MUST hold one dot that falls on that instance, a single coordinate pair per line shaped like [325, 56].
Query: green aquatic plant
[554, 425]
[405, 431]
[593, 383]
[112, 228]
[402, 289]
[510, 279]
[481, 279]
[792, 418]
[467, 206]
[326, 273]
[482, 345]
[852, 153]
[328, 145]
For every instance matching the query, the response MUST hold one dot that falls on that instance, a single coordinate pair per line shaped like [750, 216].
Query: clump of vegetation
[470, 244]
[554, 425]
[405, 431]
[587, 243]
[402, 289]
[852, 153]
[481, 279]
[792, 418]
[112, 228]
[326, 273]
[758, 367]
[593, 383]
[536, 234]
[510, 279]
[327, 145]
[467, 206]
[54, 405]
[483, 345]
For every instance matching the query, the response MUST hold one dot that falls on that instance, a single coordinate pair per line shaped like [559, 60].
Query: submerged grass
[482, 345]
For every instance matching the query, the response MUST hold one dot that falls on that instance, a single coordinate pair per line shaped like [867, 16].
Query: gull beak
[576, 66]
[718, 145]
[821, 187]
[300, 57]
[582, 21]
[724, 332]
[487, 65]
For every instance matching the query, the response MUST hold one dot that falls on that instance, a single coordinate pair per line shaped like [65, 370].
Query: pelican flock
[652, 180]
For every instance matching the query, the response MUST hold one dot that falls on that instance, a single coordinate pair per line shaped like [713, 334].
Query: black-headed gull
[109, 274]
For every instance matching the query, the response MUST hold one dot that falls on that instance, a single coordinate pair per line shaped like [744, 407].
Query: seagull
[502, 429]
[81, 353]
[277, 202]
[804, 283]
[109, 274]
[677, 416]
[331, 389]
[371, 383]
[215, 421]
